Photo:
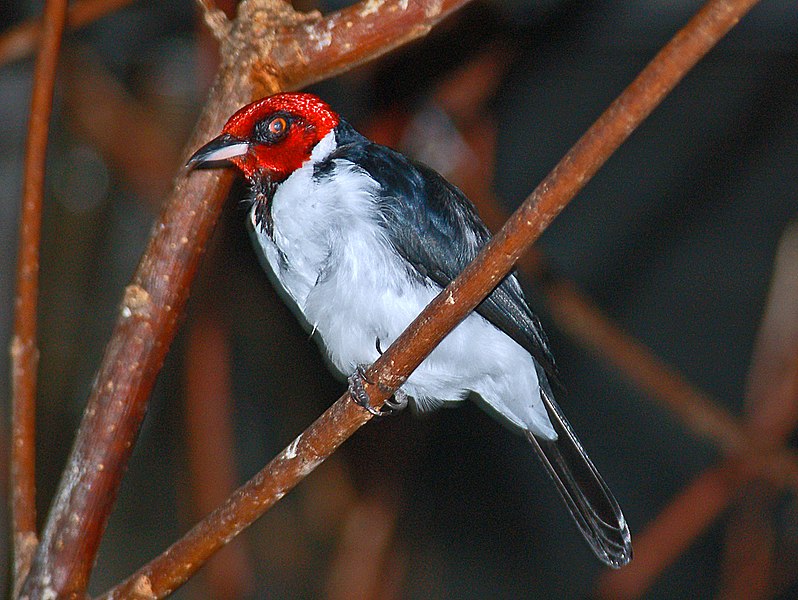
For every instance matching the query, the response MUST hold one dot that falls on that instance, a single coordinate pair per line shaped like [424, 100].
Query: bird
[358, 239]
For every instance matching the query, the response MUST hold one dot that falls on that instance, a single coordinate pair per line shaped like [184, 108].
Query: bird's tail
[588, 498]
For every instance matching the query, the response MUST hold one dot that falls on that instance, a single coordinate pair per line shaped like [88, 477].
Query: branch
[155, 298]
[749, 558]
[21, 40]
[375, 26]
[209, 416]
[306, 452]
[24, 352]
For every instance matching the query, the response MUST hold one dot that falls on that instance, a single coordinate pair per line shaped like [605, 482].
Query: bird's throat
[263, 190]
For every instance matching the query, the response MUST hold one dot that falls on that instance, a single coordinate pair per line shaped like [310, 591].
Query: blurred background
[676, 241]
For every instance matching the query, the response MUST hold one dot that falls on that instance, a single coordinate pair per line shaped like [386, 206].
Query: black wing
[433, 226]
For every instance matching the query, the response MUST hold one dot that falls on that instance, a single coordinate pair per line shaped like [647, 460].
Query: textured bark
[24, 349]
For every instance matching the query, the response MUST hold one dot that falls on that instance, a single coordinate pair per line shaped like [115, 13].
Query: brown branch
[369, 529]
[210, 441]
[24, 351]
[370, 23]
[21, 40]
[156, 296]
[747, 568]
[307, 451]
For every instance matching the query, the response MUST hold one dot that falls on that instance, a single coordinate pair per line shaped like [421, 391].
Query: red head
[272, 136]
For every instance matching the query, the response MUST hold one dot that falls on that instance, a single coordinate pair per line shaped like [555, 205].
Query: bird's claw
[357, 390]
[396, 403]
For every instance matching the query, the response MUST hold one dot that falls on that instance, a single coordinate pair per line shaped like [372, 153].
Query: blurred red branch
[772, 397]
[103, 112]
[259, 56]
[24, 351]
[174, 566]
[21, 40]
[686, 516]
[700, 413]
[210, 441]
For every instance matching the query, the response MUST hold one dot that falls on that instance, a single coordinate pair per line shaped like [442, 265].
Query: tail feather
[587, 497]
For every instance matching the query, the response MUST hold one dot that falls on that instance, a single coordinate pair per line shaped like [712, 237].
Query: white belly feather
[346, 282]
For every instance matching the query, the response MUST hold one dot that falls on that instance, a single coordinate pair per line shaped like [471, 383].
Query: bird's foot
[357, 390]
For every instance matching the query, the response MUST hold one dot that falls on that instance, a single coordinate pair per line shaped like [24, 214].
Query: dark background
[674, 239]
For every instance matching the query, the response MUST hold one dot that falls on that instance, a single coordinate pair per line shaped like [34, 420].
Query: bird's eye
[272, 129]
[278, 126]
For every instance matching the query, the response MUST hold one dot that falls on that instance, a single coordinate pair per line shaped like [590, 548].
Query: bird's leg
[398, 401]
[357, 390]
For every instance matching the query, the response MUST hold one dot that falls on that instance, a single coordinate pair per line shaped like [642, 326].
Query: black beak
[218, 150]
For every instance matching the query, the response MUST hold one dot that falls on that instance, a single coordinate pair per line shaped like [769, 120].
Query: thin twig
[20, 41]
[307, 451]
[253, 55]
[24, 351]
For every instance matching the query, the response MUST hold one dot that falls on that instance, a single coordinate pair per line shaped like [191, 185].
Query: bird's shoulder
[430, 221]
